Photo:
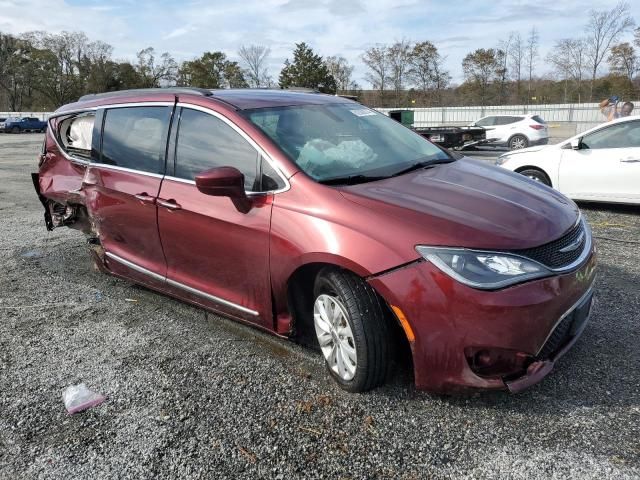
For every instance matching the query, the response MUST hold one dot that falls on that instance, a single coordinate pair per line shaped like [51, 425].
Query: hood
[468, 203]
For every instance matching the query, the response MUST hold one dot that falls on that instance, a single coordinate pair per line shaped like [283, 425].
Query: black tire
[43, 130]
[368, 324]
[518, 142]
[15, 130]
[537, 175]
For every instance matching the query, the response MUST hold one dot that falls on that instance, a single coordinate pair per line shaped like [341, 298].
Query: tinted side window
[507, 120]
[205, 142]
[485, 122]
[136, 137]
[622, 135]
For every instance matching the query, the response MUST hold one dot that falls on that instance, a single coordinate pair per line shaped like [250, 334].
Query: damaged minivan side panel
[68, 148]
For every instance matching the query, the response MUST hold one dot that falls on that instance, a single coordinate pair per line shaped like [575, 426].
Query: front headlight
[484, 270]
[502, 159]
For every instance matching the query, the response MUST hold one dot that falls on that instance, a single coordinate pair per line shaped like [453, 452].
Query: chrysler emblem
[572, 246]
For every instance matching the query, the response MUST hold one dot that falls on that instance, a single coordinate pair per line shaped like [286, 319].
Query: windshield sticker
[362, 112]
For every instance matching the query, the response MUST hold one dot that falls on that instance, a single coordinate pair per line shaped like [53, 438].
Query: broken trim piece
[48, 221]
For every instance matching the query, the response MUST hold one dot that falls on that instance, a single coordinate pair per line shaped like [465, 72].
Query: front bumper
[449, 319]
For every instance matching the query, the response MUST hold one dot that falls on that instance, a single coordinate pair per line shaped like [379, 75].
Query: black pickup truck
[454, 137]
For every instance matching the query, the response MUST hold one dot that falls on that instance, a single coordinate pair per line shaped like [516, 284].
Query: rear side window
[75, 134]
[136, 137]
[486, 122]
[204, 141]
[507, 120]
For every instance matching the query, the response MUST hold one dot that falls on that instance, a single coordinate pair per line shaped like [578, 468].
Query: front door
[122, 187]
[606, 166]
[216, 253]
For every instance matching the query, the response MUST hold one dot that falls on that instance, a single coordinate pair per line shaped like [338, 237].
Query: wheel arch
[300, 285]
[534, 167]
[518, 134]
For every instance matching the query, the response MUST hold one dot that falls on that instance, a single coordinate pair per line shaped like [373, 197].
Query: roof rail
[301, 89]
[141, 91]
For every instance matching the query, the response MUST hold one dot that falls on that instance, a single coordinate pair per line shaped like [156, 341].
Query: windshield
[346, 140]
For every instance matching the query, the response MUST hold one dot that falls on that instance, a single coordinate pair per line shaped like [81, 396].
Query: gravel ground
[193, 395]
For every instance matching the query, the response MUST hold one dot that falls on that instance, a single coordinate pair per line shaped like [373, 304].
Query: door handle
[170, 204]
[630, 160]
[145, 197]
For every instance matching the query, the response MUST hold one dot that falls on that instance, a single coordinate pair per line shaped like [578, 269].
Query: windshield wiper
[423, 164]
[350, 180]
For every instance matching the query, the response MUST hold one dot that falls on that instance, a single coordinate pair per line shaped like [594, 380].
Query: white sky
[331, 27]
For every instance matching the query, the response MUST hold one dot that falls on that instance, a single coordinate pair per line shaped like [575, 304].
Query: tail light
[537, 127]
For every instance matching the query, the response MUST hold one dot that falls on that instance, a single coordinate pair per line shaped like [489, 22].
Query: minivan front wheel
[351, 330]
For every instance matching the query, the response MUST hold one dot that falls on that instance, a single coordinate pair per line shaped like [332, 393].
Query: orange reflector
[405, 324]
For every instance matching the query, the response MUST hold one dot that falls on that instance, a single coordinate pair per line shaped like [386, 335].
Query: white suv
[514, 131]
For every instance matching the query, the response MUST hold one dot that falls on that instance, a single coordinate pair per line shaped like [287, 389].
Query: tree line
[41, 71]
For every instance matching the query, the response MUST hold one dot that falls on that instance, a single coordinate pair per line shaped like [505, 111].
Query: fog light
[497, 362]
[483, 358]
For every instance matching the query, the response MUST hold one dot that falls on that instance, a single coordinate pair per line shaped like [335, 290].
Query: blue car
[24, 124]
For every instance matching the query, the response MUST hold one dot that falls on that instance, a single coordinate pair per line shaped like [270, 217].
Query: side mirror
[575, 143]
[222, 182]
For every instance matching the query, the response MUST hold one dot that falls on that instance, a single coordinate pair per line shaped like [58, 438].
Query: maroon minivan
[313, 217]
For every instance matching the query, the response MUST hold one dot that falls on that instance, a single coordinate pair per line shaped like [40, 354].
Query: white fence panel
[583, 115]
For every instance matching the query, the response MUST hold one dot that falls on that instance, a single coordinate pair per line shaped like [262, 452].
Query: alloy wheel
[518, 142]
[335, 336]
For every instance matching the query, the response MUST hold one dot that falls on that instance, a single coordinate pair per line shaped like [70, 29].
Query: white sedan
[601, 164]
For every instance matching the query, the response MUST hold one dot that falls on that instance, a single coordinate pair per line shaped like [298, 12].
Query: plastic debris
[77, 398]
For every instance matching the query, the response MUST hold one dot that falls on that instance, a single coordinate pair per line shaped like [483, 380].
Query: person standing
[609, 108]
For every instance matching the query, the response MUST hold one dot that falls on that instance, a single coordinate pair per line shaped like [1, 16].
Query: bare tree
[377, 60]
[502, 56]
[623, 60]
[531, 57]
[479, 69]
[57, 70]
[341, 71]
[441, 78]
[399, 57]
[155, 74]
[426, 70]
[516, 54]
[15, 70]
[603, 30]
[255, 58]
[569, 61]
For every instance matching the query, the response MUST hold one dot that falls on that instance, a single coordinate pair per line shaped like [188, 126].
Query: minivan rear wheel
[517, 142]
[351, 330]
[536, 175]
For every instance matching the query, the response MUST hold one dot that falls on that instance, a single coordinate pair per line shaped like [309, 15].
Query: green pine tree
[307, 70]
